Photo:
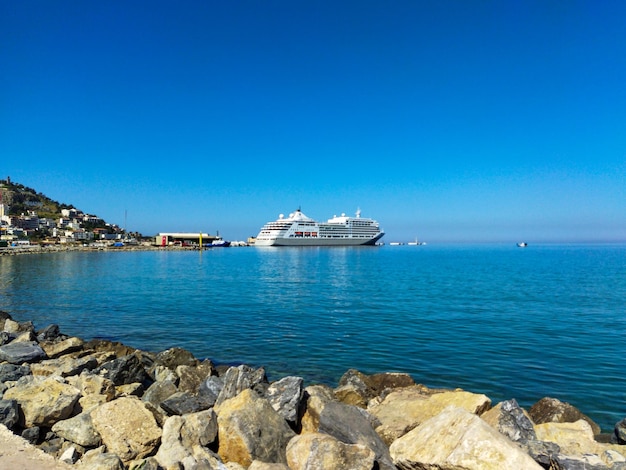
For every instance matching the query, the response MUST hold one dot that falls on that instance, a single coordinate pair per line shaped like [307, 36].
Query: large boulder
[357, 388]
[577, 440]
[79, 430]
[551, 410]
[456, 439]
[60, 348]
[185, 439]
[20, 352]
[511, 420]
[174, 357]
[406, 408]
[353, 425]
[64, 366]
[190, 377]
[124, 370]
[316, 451]
[241, 378]
[9, 413]
[44, 402]
[285, 396]
[316, 397]
[13, 372]
[127, 428]
[250, 429]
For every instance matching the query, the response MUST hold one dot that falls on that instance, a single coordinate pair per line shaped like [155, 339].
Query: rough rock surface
[250, 429]
[511, 420]
[551, 410]
[285, 396]
[317, 451]
[406, 408]
[43, 402]
[127, 428]
[20, 352]
[456, 439]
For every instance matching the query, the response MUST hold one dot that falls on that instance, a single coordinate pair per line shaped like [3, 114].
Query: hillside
[22, 199]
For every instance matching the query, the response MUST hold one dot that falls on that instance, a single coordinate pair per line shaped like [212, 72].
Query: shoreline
[173, 386]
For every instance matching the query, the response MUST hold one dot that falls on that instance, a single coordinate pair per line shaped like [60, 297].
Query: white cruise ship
[300, 230]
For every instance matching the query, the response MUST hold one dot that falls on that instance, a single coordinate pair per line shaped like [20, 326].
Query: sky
[447, 121]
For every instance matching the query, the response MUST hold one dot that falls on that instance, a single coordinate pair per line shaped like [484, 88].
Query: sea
[509, 322]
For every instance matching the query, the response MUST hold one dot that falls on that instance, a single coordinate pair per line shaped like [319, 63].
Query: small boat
[218, 243]
[522, 244]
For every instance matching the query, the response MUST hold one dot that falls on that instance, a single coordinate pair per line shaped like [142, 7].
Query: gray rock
[182, 403]
[9, 413]
[159, 392]
[49, 333]
[285, 396]
[70, 455]
[174, 357]
[321, 451]
[31, 434]
[192, 376]
[238, 379]
[13, 372]
[79, 430]
[619, 432]
[210, 389]
[101, 461]
[18, 353]
[508, 418]
[542, 452]
[124, 370]
[351, 425]
[5, 338]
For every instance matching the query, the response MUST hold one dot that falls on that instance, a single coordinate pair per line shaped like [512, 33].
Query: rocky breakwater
[103, 405]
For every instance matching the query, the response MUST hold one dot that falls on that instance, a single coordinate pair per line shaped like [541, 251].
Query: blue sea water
[547, 320]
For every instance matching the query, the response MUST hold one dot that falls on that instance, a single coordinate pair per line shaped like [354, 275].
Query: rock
[315, 398]
[258, 465]
[285, 396]
[357, 388]
[97, 459]
[241, 378]
[5, 338]
[156, 394]
[13, 372]
[20, 352]
[185, 439]
[44, 402]
[353, 425]
[64, 367]
[31, 434]
[575, 439]
[551, 410]
[49, 333]
[250, 429]
[406, 408]
[145, 464]
[542, 452]
[109, 347]
[9, 413]
[181, 403]
[210, 389]
[79, 430]
[70, 455]
[511, 420]
[192, 376]
[619, 432]
[95, 389]
[457, 439]
[58, 349]
[123, 370]
[318, 451]
[134, 389]
[11, 326]
[127, 428]
[174, 357]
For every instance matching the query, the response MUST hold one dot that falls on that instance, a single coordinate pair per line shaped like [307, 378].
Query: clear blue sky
[444, 120]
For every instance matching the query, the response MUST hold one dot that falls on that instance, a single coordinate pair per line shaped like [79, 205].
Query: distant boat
[217, 243]
[396, 243]
[522, 244]
[416, 243]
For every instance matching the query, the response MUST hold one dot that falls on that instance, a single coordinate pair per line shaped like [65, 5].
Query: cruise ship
[300, 230]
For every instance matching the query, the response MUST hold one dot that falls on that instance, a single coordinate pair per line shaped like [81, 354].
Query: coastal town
[29, 219]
